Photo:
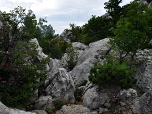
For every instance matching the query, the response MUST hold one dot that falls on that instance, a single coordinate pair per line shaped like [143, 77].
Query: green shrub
[72, 57]
[78, 94]
[49, 111]
[21, 74]
[112, 73]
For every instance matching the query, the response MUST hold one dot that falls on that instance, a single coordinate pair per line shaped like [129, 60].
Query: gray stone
[60, 85]
[39, 49]
[65, 35]
[144, 75]
[40, 111]
[81, 72]
[86, 60]
[143, 1]
[94, 99]
[145, 102]
[128, 96]
[6, 110]
[75, 109]
[150, 5]
[106, 15]
[101, 110]
[44, 102]
[94, 50]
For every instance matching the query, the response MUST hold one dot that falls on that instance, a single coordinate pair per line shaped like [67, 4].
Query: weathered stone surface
[106, 15]
[145, 102]
[143, 1]
[6, 110]
[81, 72]
[150, 5]
[95, 98]
[94, 50]
[40, 111]
[64, 36]
[75, 109]
[39, 49]
[144, 75]
[78, 48]
[87, 59]
[44, 102]
[60, 85]
[128, 96]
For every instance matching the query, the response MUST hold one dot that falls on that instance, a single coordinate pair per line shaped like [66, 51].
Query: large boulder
[64, 35]
[86, 60]
[44, 102]
[75, 109]
[143, 105]
[39, 49]
[144, 75]
[78, 49]
[6, 110]
[94, 97]
[94, 50]
[81, 72]
[150, 5]
[59, 84]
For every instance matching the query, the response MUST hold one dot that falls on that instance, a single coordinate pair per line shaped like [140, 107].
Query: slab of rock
[144, 75]
[145, 103]
[94, 50]
[150, 5]
[6, 110]
[95, 98]
[39, 49]
[81, 72]
[75, 109]
[60, 85]
[87, 59]
[40, 111]
[44, 102]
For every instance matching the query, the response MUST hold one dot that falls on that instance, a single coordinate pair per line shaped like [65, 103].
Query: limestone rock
[94, 50]
[144, 75]
[106, 15]
[87, 59]
[78, 48]
[60, 85]
[95, 98]
[44, 102]
[81, 72]
[39, 49]
[128, 96]
[64, 35]
[145, 102]
[6, 110]
[150, 5]
[40, 112]
[75, 109]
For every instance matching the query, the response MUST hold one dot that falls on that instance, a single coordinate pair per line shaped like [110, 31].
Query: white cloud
[60, 13]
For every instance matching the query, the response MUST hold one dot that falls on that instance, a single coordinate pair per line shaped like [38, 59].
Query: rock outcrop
[6, 110]
[87, 59]
[59, 84]
[75, 109]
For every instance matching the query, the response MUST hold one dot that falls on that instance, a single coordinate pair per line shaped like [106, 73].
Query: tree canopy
[19, 73]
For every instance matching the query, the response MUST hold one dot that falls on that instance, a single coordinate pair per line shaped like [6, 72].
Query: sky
[60, 13]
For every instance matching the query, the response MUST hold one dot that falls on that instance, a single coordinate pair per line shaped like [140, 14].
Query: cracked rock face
[86, 60]
[75, 109]
[6, 110]
[59, 84]
[144, 75]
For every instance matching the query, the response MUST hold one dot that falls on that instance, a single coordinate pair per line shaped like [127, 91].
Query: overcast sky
[60, 13]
